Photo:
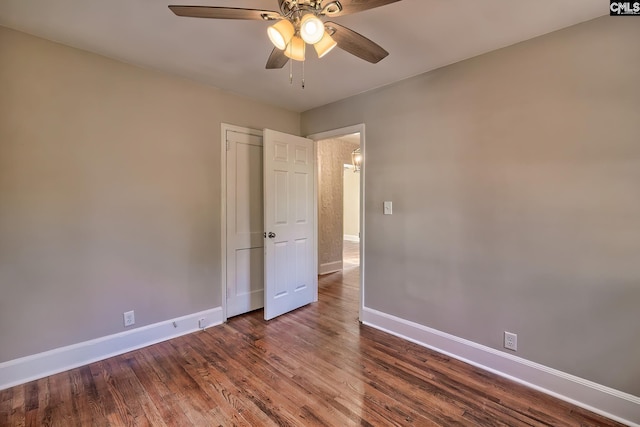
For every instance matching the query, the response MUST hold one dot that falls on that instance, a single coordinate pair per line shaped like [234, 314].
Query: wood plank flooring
[315, 366]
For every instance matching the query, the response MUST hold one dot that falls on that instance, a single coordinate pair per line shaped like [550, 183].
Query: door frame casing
[223, 205]
[335, 133]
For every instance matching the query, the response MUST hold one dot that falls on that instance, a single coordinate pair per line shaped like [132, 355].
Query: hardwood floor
[315, 366]
[350, 254]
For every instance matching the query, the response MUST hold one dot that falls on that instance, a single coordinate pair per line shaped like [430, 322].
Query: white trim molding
[330, 267]
[611, 403]
[351, 238]
[29, 368]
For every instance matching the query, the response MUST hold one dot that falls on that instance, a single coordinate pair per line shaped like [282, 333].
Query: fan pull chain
[290, 64]
[303, 74]
[291, 72]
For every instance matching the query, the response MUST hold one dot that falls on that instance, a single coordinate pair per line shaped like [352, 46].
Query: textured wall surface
[109, 193]
[333, 154]
[515, 178]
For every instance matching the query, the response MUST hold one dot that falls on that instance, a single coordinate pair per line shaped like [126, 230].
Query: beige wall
[332, 155]
[515, 178]
[109, 193]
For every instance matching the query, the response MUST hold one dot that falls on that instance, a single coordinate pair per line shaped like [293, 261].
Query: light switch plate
[388, 208]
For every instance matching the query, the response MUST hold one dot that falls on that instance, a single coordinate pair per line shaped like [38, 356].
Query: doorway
[341, 245]
[338, 203]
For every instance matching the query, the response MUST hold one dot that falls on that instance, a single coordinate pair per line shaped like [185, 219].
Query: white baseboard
[29, 368]
[614, 404]
[330, 267]
[351, 238]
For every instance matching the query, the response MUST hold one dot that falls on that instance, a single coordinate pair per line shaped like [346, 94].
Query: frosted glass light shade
[311, 28]
[325, 45]
[281, 33]
[295, 49]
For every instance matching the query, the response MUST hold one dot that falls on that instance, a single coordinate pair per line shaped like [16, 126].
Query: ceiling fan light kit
[295, 49]
[281, 33]
[325, 45]
[311, 31]
[298, 23]
[311, 28]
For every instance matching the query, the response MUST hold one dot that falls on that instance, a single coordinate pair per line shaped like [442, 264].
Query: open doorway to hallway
[353, 250]
[338, 204]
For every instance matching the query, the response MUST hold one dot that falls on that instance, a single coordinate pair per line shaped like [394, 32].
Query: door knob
[272, 234]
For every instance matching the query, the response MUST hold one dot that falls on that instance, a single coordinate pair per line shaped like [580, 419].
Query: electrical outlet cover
[510, 341]
[129, 318]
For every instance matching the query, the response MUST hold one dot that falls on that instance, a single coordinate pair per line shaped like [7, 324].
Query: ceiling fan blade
[353, 6]
[277, 59]
[356, 44]
[224, 12]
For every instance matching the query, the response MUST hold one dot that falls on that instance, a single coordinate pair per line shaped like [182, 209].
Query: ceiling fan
[299, 23]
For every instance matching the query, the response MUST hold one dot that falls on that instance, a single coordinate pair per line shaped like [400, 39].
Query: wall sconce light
[356, 159]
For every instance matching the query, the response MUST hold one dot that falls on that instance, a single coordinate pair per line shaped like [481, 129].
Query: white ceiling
[420, 35]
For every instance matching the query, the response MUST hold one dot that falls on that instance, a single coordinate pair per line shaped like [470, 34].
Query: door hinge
[228, 146]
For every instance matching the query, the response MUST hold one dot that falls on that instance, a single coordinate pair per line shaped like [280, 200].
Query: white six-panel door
[289, 223]
[245, 240]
